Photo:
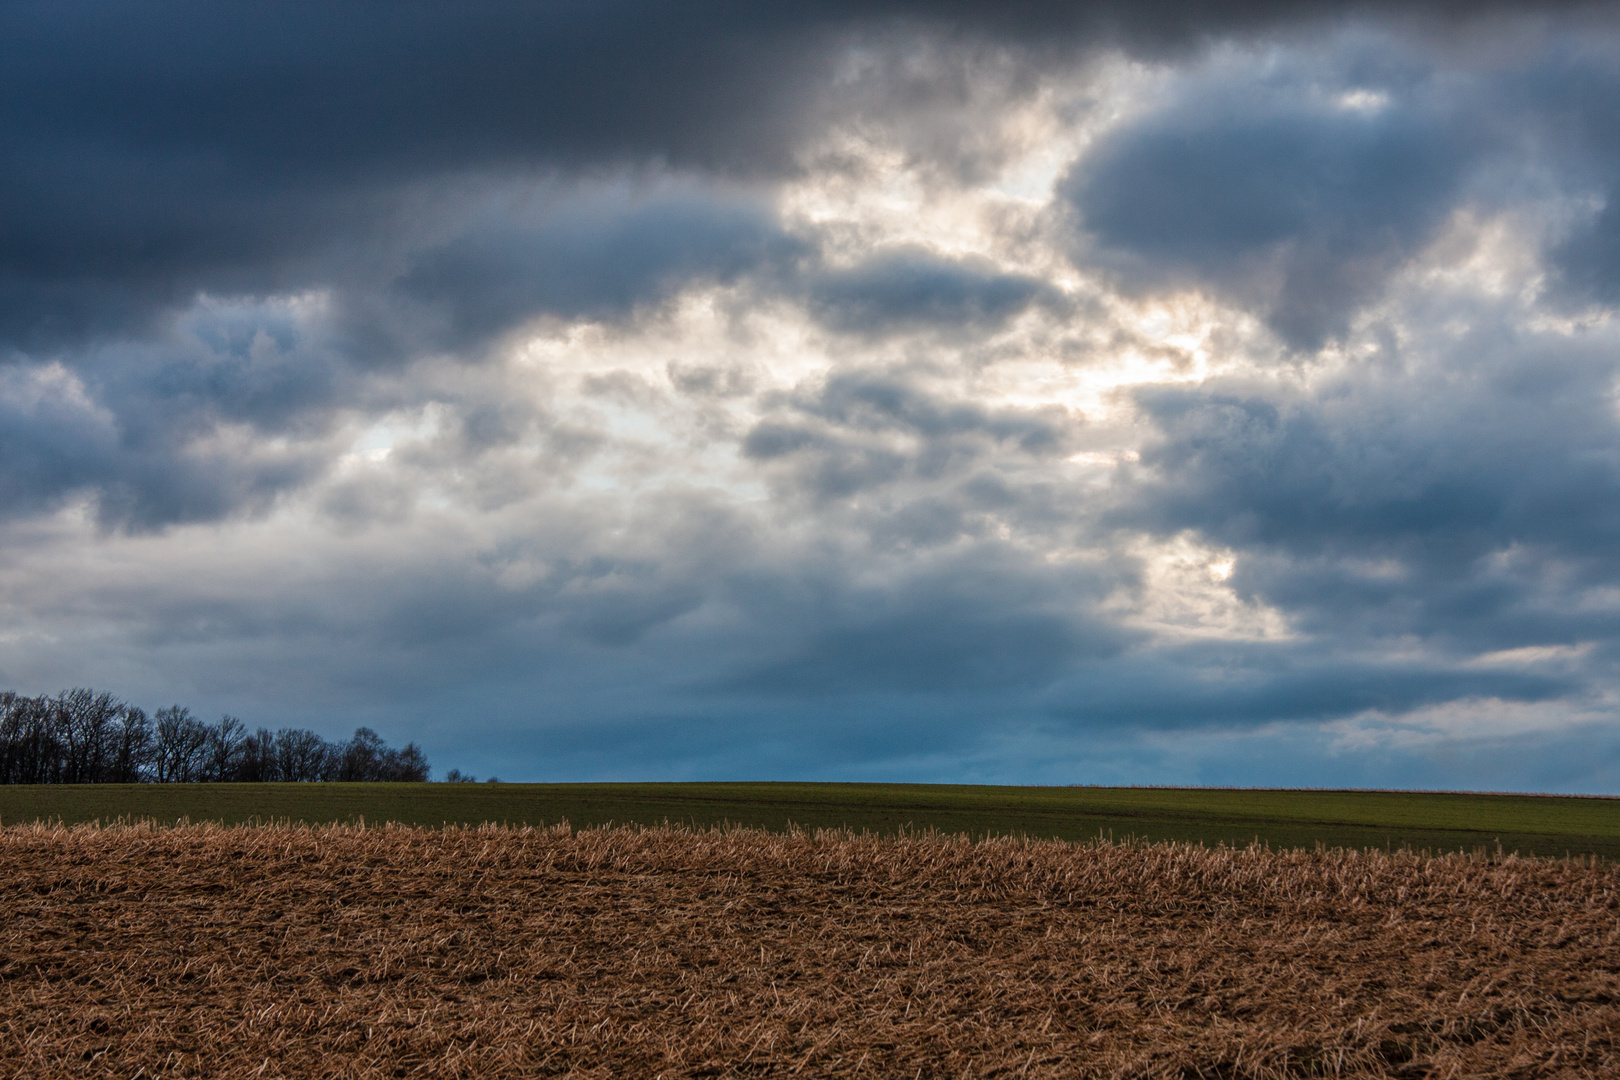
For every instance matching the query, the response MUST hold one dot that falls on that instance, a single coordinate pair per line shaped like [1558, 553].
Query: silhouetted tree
[30, 754]
[361, 757]
[256, 761]
[87, 725]
[132, 748]
[408, 765]
[367, 757]
[181, 744]
[84, 737]
[224, 747]
[301, 755]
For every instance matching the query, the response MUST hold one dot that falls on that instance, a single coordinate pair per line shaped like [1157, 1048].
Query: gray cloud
[1573, 95]
[196, 149]
[981, 620]
[254, 273]
[1269, 686]
[1465, 500]
[917, 289]
[862, 431]
[139, 430]
[591, 260]
[1279, 189]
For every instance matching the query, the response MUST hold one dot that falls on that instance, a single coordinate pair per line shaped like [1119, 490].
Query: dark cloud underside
[940, 390]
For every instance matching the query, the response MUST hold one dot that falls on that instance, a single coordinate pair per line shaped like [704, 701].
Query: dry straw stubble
[489, 952]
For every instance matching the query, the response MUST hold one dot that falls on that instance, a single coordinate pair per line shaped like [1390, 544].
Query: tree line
[84, 737]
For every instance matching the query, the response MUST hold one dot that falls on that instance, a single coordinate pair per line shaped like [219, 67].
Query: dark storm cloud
[1296, 186]
[1470, 499]
[152, 153]
[345, 86]
[984, 620]
[1250, 688]
[683, 609]
[914, 288]
[589, 260]
[233, 241]
[938, 647]
[191, 148]
[1590, 259]
[100, 240]
[144, 432]
[135, 470]
[864, 430]
[1270, 189]
[1576, 96]
[597, 254]
[1532, 461]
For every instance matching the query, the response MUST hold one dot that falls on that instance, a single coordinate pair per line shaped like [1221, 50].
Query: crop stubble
[486, 952]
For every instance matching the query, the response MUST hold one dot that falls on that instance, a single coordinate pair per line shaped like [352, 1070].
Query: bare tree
[86, 723]
[29, 753]
[84, 737]
[224, 747]
[256, 761]
[409, 765]
[132, 748]
[301, 755]
[362, 757]
[181, 744]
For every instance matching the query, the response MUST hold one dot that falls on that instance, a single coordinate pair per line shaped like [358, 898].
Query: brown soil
[347, 952]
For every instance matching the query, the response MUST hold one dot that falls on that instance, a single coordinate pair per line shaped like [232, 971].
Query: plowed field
[348, 952]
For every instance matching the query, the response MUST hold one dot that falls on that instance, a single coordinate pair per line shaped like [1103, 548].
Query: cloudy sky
[1153, 393]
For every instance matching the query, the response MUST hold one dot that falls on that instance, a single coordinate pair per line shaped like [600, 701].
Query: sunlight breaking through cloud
[917, 395]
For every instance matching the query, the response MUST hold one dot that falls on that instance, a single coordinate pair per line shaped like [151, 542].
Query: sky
[1117, 393]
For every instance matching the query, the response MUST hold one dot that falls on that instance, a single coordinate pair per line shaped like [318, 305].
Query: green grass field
[1529, 824]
